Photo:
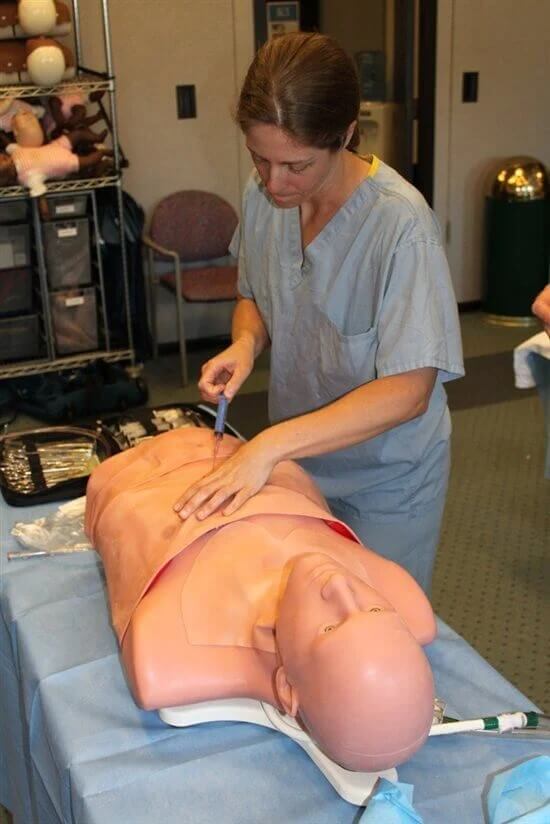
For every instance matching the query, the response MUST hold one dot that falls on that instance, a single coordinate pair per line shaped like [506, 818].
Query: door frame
[443, 111]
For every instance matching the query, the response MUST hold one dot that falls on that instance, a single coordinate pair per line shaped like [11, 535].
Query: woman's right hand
[227, 371]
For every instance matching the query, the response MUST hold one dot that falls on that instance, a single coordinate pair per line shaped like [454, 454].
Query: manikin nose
[338, 590]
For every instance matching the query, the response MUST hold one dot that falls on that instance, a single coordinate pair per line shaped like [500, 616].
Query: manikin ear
[286, 693]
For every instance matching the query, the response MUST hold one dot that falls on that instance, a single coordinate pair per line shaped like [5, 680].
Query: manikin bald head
[351, 670]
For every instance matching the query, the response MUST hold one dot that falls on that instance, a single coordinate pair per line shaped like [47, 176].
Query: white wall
[509, 45]
[157, 46]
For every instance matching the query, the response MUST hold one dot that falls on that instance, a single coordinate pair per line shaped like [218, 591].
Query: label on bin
[6, 255]
[74, 301]
[65, 209]
[69, 231]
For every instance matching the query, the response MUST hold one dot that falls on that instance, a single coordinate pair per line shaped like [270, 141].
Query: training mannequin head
[351, 670]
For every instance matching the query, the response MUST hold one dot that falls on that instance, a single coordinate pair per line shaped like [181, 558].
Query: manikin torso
[195, 603]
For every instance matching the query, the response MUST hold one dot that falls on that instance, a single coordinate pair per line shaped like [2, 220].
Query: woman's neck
[349, 172]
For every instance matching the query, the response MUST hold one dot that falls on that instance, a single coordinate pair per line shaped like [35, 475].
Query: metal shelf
[60, 186]
[83, 81]
[35, 367]
[86, 80]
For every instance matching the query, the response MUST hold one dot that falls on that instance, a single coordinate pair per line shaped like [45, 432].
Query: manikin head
[47, 61]
[37, 16]
[351, 670]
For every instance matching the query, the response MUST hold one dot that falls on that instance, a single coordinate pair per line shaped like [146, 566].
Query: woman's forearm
[248, 324]
[358, 416]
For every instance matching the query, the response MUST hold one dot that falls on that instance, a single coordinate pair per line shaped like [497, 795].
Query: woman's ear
[286, 693]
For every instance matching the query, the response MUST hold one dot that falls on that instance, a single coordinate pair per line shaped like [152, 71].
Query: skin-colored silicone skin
[278, 602]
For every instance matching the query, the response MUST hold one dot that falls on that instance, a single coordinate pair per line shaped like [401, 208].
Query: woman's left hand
[239, 478]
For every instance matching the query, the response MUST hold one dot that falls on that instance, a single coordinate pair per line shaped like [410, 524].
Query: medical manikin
[277, 602]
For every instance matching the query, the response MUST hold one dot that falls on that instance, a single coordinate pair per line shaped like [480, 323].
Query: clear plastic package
[60, 533]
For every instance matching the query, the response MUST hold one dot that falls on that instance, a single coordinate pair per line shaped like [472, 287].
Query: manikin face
[324, 601]
[348, 664]
[291, 172]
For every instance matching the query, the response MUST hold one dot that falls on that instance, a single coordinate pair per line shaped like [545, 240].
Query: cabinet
[53, 308]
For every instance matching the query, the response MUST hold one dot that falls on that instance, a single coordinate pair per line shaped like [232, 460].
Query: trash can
[517, 227]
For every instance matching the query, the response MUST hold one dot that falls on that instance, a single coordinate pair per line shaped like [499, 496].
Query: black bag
[134, 220]
[66, 396]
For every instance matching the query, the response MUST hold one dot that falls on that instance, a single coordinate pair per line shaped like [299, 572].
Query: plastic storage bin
[67, 252]
[15, 248]
[19, 338]
[62, 208]
[74, 320]
[15, 290]
[13, 211]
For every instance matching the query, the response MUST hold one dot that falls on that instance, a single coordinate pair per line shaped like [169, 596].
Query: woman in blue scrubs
[342, 272]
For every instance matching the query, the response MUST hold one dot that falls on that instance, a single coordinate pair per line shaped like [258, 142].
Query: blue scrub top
[371, 296]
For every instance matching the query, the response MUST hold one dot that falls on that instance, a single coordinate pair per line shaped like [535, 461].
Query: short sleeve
[237, 249]
[418, 324]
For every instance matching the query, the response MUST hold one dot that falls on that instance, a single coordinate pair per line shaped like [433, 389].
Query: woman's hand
[227, 371]
[239, 478]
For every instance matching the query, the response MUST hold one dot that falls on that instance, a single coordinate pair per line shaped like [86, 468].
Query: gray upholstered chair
[190, 227]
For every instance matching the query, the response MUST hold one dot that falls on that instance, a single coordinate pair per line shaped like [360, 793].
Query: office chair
[193, 229]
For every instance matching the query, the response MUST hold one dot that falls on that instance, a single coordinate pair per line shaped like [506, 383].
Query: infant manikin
[277, 602]
[31, 162]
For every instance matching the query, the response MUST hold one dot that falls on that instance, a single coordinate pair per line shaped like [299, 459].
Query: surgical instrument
[505, 722]
[24, 554]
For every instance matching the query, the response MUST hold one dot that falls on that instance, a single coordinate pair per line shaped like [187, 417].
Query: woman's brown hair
[307, 85]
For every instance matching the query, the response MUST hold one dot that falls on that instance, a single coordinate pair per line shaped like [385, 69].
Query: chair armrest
[161, 250]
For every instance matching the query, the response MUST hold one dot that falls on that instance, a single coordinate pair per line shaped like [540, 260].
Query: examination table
[75, 748]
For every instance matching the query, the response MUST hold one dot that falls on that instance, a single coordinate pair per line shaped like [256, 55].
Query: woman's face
[291, 172]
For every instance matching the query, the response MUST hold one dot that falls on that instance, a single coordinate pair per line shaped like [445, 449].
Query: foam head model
[37, 16]
[47, 61]
[277, 602]
[31, 18]
[8, 19]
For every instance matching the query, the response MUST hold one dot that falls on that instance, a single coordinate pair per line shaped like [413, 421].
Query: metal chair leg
[181, 328]
[151, 297]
